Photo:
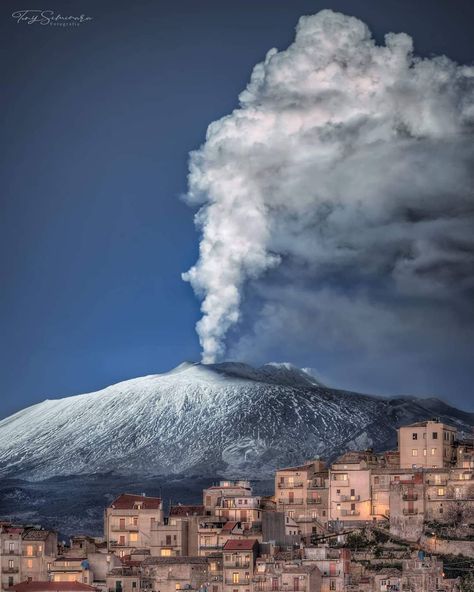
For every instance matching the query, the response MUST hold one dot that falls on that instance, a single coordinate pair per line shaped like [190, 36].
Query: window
[168, 539]
[11, 547]
[11, 564]
[235, 577]
[414, 452]
[133, 537]
[435, 435]
[165, 552]
[29, 550]
[29, 563]
[433, 451]
[177, 586]
[134, 584]
[414, 436]
[376, 480]
[440, 491]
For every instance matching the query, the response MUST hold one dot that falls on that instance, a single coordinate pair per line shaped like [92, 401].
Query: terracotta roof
[240, 544]
[229, 526]
[182, 510]
[306, 467]
[52, 587]
[127, 501]
[36, 534]
[13, 530]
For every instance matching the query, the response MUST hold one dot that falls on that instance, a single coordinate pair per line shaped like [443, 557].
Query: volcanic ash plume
[345, 162]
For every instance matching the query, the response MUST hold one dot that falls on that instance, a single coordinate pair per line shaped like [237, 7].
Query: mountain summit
[219, 419]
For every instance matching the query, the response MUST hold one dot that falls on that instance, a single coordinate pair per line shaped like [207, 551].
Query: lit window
[424, 451]
[235, 577]
[433, 451]
[166, 552]
[414, 452]
[133, 537]
[440, 491]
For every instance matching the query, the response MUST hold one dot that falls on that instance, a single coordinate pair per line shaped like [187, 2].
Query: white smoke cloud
[347, 166]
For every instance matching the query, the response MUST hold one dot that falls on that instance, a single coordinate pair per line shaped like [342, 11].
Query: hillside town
[401, 520]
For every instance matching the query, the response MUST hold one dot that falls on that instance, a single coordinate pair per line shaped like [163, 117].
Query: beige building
[239, 557]
[350, 495]
[39, 550]
[423, 574]
[124, 579]
[129, 521]
[302, 493]
[334, 566]
[213, 495]
[52, 587]
[10, 555]
[426, 444]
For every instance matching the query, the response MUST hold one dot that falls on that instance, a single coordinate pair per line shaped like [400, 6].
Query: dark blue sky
[97, 124]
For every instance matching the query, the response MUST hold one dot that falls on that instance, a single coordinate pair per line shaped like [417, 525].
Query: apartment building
[244, 509]
[71, 569]
[239, 558]
[350, 495]
[302, 493]
[333, 564]
[169, 539]
[39, 550]
[129, 521]
[10, 555]
[426, 444]
[407, 507]
[126, 578]
[226, 489]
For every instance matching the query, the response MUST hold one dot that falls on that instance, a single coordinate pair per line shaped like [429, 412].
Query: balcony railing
[437, 481]
[209, 546]
[314, 500]
[410, 511]
[287, 485]
[350, 513]
[239, 564]
[316, 486]
[294, 502]
[241, 582]
[11, 570]
[410, 497]
[350, 498]
[10, 552]
[125, 528]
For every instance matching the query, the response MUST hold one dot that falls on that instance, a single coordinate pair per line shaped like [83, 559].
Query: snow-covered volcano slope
[229, 419]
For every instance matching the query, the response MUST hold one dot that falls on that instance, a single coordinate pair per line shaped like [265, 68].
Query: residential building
[52, 587]
[129, 521]
[39, 550]
[426, 444]
[333, 564]
[239, 557]
[302, 493]
[168, 574]
[10, 555]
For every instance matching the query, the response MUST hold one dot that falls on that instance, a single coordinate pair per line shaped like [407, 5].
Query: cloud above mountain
[336, 203]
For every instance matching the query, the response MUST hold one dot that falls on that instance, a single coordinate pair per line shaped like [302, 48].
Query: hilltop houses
[366, 522]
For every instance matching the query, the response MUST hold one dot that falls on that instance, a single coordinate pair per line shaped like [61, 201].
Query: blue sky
[97, 126]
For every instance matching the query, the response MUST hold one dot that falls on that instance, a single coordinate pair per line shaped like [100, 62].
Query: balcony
[10, 553]
[294, 502]
[288, 485]
[11, 570]
[410, 511]
[350, 498]
[350, 513]
[241, 582]
[238, 564]
[210, 547]
[127, 528]
[314, 500]
[410, 497]
[439, 482]
[316, 486]
[118, 544]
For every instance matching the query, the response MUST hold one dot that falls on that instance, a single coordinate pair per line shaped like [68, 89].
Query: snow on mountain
[220, 419]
